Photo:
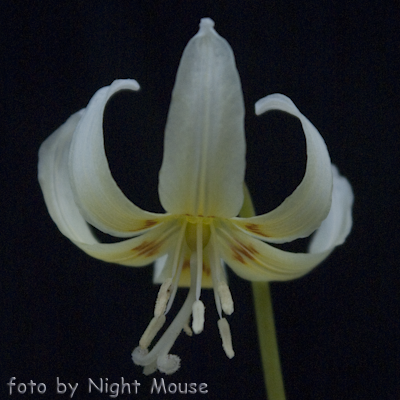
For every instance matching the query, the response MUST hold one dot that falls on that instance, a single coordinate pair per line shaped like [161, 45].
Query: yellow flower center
[191, 231]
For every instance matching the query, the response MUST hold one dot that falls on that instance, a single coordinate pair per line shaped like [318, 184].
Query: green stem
[265, 325]
[267, 340]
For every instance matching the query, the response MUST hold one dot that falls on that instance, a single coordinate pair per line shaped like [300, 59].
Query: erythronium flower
[201, 186]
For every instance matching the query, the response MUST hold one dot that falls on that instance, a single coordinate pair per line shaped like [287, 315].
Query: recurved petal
[137, 251]
[254, 260]
[204, 152]
[97, 195]
[55, 184]
[302, 212]
[337, 225]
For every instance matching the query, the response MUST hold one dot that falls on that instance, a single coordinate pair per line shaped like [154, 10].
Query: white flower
[201, 186]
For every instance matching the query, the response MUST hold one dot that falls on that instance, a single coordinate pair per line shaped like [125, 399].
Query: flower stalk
[267, 340]
[268, 343]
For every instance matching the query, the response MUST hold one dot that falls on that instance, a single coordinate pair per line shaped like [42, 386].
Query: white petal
[57, 192]
[254, 260]
[337, 225]
[54, 181]
[204, 154]
[302, 212]
[137, 251]
[97, 195]
[159, 270]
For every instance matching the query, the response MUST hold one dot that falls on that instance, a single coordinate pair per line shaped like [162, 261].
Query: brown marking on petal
[154, 250]
[241, 250]
[248, 248]
[246, 253]
[148, 249]
[206, 269]
[186, 264]
[148, 223]
[255, 229]
[237, 255]
[185, 280]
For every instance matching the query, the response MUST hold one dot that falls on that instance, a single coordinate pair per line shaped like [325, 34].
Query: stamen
[217, 301]
[141, 356]
[198, 316]
[168, 363]
[178, 249]
[177, 268]
[225, 333]
[162, 298]
[187, 329]
[199, 249]
[174, 286]
[222, 294]
[226, 298]
[151, 331]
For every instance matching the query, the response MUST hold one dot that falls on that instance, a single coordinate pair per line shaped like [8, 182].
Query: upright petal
[204, 153]
[97, 195]
[302, 212]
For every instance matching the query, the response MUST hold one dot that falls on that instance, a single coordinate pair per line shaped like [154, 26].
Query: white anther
[187, 329]
[162, 298]
[225, 333]
[151, 331]
[198, 316]
[226, 298]
[138, 354]
[168, 363]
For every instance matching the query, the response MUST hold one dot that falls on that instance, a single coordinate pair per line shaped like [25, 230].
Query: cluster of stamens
[196, 233]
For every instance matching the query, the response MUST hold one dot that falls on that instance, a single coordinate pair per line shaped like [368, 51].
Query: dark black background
[66, 315]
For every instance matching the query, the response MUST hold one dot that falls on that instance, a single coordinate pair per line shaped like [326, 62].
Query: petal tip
[121, 84]
[273, 101]
[206, 25]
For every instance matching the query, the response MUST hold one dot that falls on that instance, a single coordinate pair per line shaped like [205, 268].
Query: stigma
[195, 255]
